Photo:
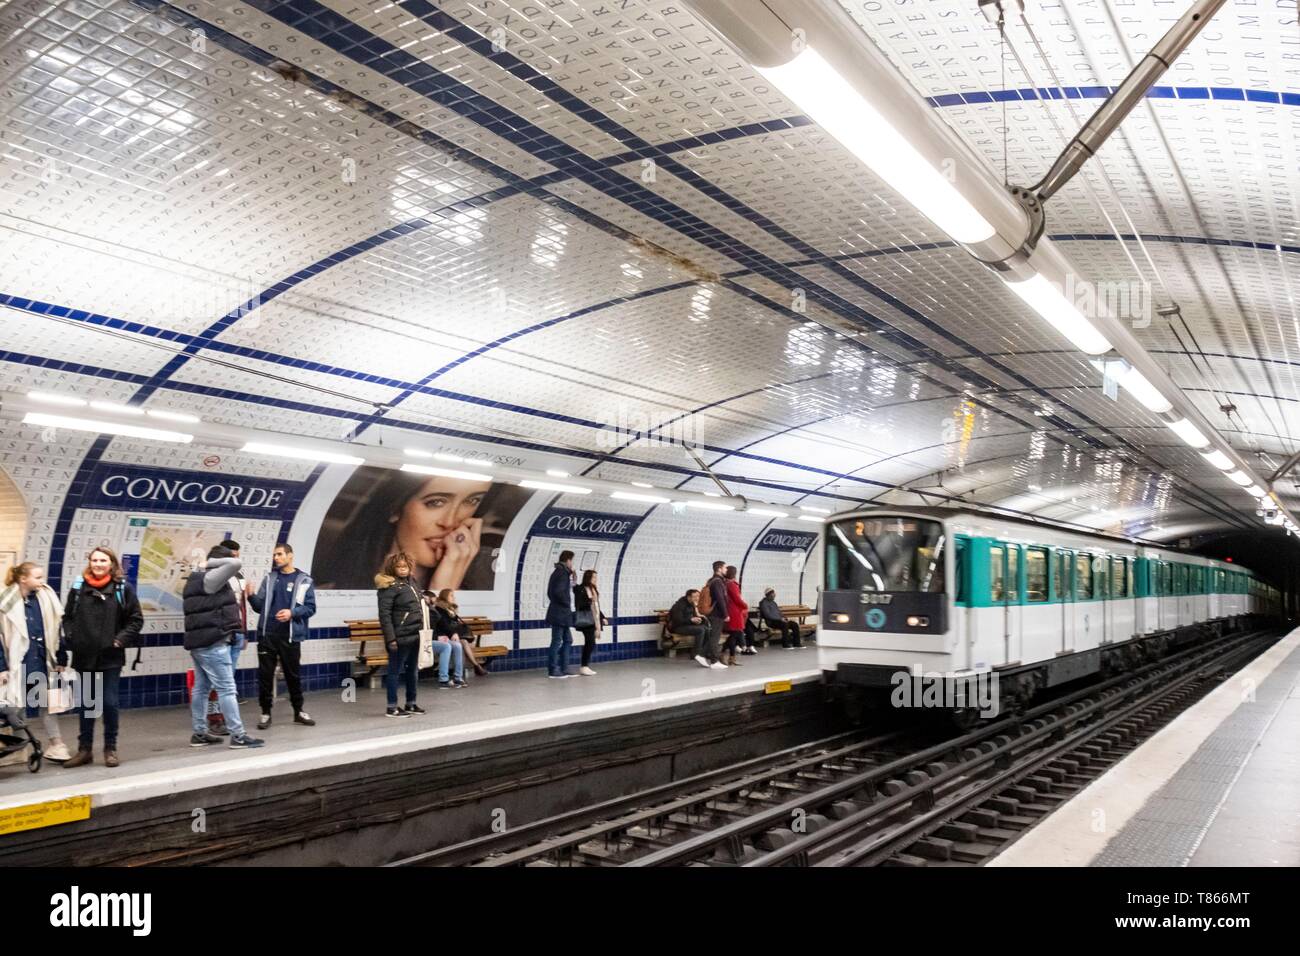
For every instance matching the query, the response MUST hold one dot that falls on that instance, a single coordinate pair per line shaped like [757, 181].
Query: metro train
[976, 613]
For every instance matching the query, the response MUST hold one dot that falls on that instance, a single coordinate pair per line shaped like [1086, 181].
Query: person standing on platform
[713, 603]
[588, 617]
[211, 626]
[30, 623]
[560, 616]
[285, 601]
[402, 615]
[101, 618]
[737, 615]
[216, 723]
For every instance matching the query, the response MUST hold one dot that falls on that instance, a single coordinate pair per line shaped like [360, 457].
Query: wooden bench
[374, 656]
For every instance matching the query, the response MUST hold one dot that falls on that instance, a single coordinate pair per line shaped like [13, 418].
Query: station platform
[502, 727]
[1218, 786]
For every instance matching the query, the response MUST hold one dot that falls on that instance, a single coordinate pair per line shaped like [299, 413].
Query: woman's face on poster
[441, 507]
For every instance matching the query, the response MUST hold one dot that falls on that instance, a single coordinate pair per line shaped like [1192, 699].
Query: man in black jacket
[560, 615]
[211, 625]
[778, 624]
[684, 617]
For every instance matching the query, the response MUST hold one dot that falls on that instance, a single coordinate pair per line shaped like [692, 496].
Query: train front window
[885, 554]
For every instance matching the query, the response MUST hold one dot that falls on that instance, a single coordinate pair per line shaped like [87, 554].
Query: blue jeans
[403, 662]
[102, 688]
[213, 671]
[448, 654]
[557, 658]
[240, 643]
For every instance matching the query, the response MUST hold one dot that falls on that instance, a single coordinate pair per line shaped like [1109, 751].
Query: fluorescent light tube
[105, 428]
[50, 398]
[1218, 459]
[822, 93]
[767, 512]
[1188, 433]
[817, 518]
[815, 510]
[443, 456]
[1136, 384]
[1042, 295]
[305, 454]
[1241, 478]
[171, 416]
[641, 484]
[116, 408]
[1256, 491]
[556, 473]
[446, 472]
[417, 453]
[710, 505]
[637, 496]
[555, 486]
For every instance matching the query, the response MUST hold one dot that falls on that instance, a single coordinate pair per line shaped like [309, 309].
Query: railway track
[855, 800]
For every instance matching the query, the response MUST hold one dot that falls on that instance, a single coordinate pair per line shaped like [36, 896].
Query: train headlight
[839, 619]
[918, 621]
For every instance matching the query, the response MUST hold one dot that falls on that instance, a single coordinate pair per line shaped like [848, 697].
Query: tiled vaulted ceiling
[534, 221]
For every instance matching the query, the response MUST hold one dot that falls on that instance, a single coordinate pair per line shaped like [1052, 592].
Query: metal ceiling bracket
[1285, 467]
[709, 471]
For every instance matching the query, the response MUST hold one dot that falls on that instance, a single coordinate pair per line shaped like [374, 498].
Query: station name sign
[776, 540]
[125, 488]
[564, 523]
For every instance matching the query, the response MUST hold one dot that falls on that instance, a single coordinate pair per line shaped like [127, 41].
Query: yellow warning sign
[33, 816]
[776, 686]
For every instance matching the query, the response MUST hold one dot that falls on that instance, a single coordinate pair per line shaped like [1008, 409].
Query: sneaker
[458, 683]
[445, 685]
[302, 717]
[717, 666]
[204, 740]
[556, 676]
[699, 659]
[57, 752]
[587, 672]
[395, 712]
[263, 722]
[414, 709]
[246, 741]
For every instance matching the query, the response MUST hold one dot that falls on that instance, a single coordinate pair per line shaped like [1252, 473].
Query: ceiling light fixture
[1044, 297]
[172, 416]
[554, 486]
[710, 505]
[1218, 459]
[117, 409]
[50, 398]
[1188, 433]
[303, 454]
[1136, 384]
[446, 472]
[1241, 478]
[767, 512]
[104, 428]
[637, 496]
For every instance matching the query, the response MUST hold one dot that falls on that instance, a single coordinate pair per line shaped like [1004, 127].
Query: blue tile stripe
[1030, 95]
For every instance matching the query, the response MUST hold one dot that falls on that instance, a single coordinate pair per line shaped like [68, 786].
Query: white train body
[936, 591]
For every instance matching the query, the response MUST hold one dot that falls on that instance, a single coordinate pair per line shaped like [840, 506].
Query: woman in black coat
[402, 613]
[101, 619]
[591, 621]
[447, 623]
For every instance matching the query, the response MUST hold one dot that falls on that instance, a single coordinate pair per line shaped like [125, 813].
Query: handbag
[426, 639]
[584, 619]
[60, 696]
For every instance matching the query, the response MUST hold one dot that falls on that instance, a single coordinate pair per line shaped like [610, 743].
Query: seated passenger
[449, 629]
[685, 618]
[771, 613]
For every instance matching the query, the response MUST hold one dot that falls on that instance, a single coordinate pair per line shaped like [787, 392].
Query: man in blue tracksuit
[285, 601]
[559, 614]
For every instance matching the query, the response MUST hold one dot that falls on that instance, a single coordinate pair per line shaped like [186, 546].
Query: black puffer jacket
[99, 624]
[399, 610]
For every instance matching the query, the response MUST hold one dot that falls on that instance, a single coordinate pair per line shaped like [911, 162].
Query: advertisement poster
[451, 529]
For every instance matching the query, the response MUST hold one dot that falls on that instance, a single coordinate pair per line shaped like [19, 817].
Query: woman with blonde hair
[30, 616]
[448, 624]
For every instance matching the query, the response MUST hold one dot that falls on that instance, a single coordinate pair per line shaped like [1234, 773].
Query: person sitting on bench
[771, 613]
[684, 617]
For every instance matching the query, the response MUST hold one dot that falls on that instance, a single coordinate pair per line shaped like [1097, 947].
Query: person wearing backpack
[713, 605]
[101, 619]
